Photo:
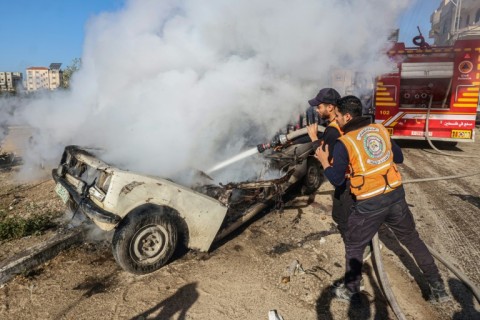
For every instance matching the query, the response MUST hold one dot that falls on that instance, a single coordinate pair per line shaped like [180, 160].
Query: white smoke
[166, 85]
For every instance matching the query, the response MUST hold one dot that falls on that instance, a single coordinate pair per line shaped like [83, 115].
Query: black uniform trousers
[363, 223]
[342, 207]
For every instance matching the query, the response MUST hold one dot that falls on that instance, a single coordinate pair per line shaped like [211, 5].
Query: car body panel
[203, 215]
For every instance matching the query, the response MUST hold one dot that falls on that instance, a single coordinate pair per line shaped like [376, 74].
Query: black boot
[438, 293]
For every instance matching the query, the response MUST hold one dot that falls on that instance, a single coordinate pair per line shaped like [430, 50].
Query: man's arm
[397, 152]
[329, 138]
[335, 173]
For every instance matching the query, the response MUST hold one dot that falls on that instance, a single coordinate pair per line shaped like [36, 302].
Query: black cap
[326, 95]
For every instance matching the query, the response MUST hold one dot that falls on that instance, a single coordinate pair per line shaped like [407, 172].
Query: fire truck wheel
[313, 178]
[144, 241]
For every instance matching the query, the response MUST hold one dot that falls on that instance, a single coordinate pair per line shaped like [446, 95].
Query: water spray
[278, 141]
[241, 156]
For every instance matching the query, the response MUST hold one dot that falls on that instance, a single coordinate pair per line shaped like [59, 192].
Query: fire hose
[283, 139]
[427, 132]
[381, 271]
[383, 278]
[385, 284]
[375, 242]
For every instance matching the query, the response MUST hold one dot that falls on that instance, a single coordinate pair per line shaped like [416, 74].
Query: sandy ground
[241, 277]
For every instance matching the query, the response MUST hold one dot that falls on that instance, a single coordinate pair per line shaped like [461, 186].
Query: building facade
[453, 20]
[10, 81]
[43, 78]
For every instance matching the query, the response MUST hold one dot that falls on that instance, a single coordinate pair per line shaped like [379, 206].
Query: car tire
[144, 241]
[313, 177]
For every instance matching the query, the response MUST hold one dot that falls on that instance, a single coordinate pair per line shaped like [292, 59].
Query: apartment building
[10, 81]
[43, 78]
[453, 20]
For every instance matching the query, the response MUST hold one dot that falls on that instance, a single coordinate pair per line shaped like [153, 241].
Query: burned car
[149, 214]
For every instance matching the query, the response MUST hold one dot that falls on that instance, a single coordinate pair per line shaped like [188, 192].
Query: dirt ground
[243, 276]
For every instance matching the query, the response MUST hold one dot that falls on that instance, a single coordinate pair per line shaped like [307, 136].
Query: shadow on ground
[179, 303]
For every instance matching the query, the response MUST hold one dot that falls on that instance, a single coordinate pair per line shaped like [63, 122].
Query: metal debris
[273, 315]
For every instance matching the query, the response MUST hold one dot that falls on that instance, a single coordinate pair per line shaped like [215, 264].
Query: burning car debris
[150, 214]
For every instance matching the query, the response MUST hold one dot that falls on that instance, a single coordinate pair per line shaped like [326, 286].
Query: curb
[41, 253]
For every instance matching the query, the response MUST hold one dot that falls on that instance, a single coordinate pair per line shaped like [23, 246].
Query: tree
[69, 71]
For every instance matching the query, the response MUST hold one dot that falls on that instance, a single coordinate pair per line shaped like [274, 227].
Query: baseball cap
[326, 95]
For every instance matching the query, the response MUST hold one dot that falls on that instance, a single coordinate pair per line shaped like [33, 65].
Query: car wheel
[313, 178]
[144, 241]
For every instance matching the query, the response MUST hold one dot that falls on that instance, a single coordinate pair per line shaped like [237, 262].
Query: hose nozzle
[262, 147]
[279, 139]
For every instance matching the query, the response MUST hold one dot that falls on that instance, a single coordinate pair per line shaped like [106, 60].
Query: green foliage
[16, 227]
[69, 71]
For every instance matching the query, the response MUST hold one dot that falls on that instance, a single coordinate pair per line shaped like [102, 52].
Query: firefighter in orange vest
[369, 154]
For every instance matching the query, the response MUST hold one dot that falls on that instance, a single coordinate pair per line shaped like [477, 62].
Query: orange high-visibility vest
[372, 170]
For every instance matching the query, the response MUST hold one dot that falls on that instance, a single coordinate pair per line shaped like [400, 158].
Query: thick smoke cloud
[167, 85]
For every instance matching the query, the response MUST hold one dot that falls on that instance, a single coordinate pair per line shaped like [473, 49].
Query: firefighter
[324, 104]
[369, 154]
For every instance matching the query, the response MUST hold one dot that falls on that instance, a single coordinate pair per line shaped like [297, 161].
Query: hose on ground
[383, 278]
[385, 284]
[441, 178]
[460, 275]
[429, 179]
[427, 132]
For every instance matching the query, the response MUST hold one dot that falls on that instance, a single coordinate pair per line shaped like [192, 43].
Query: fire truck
[431, 91]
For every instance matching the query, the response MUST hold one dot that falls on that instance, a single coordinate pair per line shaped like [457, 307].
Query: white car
[150, 214]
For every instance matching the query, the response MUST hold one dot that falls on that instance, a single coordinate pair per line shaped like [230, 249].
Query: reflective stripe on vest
[371, 161]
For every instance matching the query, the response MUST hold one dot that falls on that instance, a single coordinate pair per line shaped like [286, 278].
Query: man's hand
[312, 130]
[312, 115]
[322, 155]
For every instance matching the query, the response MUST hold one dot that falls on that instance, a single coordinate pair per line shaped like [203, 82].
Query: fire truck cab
[431, 91]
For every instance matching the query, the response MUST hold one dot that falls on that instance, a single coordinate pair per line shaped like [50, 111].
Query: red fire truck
[439, 82]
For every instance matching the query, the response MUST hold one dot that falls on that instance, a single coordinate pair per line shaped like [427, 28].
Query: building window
[477, 16]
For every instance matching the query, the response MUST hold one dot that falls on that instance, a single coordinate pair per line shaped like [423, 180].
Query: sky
[418, 14]
[39, 32]
[46, 31]
[167, 85]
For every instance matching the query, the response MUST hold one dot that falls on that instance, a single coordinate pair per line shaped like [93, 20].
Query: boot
[438, 292]
[343, 294]
[341, 283]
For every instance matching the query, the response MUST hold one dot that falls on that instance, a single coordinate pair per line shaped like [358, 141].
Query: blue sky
[59, 36]
[417, 15]
[38, 32]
